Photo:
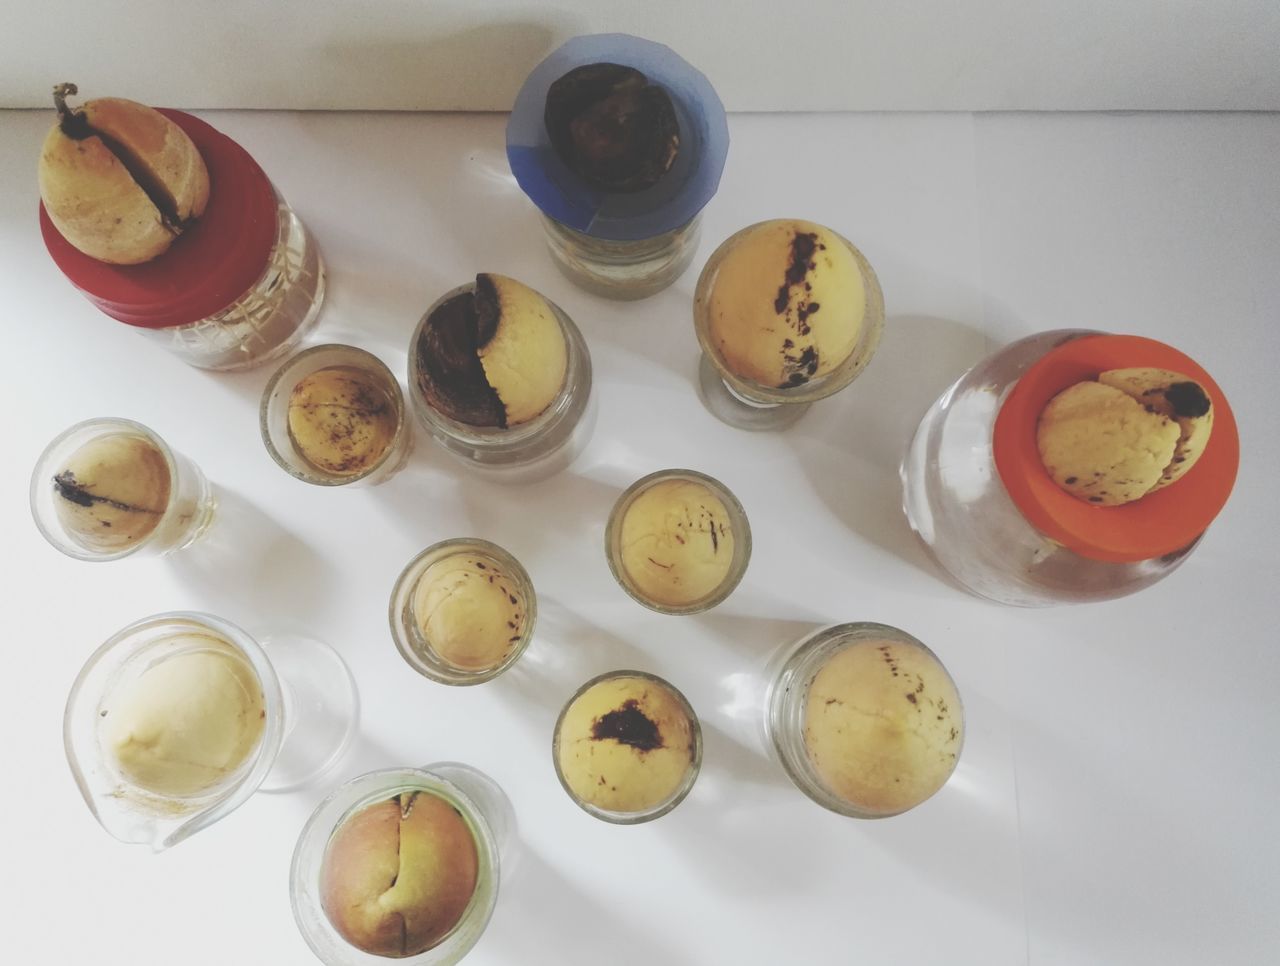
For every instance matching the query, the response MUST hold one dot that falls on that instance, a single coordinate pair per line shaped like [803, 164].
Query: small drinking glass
[309, 711]
[735, 522]
[627, 710]
[488, 562]
[385, 401]
[85, 517]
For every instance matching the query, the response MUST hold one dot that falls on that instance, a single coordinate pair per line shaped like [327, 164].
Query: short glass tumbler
[529, 451]
[387, 403]
[185, 514]
[308, 718]
[736, 521]
[475, 798]
[407, 624]
[691, 766]
[791, 673]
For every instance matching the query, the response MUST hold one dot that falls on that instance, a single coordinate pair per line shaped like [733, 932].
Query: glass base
[321, 710]
[729, 407]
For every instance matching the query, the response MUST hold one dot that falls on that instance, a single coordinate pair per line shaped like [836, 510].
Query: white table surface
[1116, 801]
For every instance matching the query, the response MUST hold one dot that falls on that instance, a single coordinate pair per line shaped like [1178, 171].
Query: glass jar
[308, 714]
[387, 399]
[475, 797]
[987, 511]
[185, 499]
[621, 245]
[238, 288]
[908, 703]
[528, 451]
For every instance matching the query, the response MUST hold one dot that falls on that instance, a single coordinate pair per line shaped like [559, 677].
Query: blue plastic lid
[683, 191]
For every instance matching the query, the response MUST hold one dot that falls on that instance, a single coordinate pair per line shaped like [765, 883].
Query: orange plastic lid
[1157, 524]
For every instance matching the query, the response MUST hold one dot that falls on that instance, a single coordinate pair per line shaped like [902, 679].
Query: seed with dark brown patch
[628, 725]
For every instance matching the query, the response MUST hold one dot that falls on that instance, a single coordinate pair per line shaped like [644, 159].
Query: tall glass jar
[985, 508]
[621, 244]
[238, 288]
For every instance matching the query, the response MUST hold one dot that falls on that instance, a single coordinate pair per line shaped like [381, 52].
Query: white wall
[762, 54]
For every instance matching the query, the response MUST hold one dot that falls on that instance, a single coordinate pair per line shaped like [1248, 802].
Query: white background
[1116, 800]
[762, 55]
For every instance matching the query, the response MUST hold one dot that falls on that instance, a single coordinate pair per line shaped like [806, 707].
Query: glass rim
[816, 389]
[686, 784]
[738, 520]
[401, 598]
[370, 363]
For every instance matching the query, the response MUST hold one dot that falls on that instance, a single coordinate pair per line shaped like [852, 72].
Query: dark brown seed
[613, 128]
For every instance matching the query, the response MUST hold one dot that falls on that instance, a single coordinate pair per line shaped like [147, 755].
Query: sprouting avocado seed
[119, 180]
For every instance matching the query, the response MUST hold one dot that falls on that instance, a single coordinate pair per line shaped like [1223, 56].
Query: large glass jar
[978, 497]
[238, 288]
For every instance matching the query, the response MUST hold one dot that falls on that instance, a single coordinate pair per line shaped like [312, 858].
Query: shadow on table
[851, 445]
[567, 651]
[731, 761]
[964, 841]
[536, 522]
[544, 911]
[252, 570]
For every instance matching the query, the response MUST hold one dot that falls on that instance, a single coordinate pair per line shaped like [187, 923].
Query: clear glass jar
[962, 511]
[273, 416]
[737, 524]
[269, 319]
[620, 269]
[187, 514]
[475, 797]
[406, 626]
[791, 674]
[747, 404]
[532, 450]
[309, 708]
[691, 768]
[239, 287]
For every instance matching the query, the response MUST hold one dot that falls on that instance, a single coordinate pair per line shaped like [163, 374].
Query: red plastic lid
[209, 265]
[1159, 523]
